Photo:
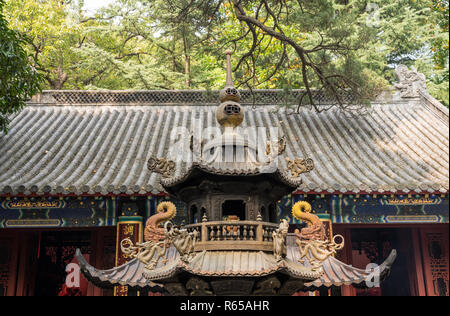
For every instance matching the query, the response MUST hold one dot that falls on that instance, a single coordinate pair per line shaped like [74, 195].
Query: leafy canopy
[19, 80]
[333, 46]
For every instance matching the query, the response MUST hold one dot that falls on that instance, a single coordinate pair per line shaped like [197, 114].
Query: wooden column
[127, 227]
[9, 248]
[27, 264]
[418, 286]
[345, 255]
[328, 224]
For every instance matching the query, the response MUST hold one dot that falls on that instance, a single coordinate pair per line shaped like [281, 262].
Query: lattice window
[438, 261]
[260, 97]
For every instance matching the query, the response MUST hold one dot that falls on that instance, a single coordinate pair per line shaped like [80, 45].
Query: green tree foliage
[19, 80]
[333, 46]
[440, 42]
[437, 70]
[52, 32]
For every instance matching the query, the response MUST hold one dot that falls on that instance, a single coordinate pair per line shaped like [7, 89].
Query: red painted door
[435, 259]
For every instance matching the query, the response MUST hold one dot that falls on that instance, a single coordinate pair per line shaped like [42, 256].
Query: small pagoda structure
[233, 243]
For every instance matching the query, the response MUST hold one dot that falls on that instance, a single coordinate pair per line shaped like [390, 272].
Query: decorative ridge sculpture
[229, 92]
[315, 229]
[311, 261]
[279, 240]
[164, 212]
[411, 82]
[312, 240]
[229, 114]
[158, 239]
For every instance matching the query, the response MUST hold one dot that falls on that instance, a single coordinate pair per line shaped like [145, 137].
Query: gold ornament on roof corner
[312, 240]
[315, 229]
[145, 252]
[162, 166]
[299, 166]
[156, 239]
[153, 230]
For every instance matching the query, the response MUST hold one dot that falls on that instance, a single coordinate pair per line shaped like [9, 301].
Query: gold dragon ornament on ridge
[158, 238]
[312, 240]
[299, 166]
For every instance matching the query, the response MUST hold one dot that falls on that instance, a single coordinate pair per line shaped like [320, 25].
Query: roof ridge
[436, 107]
[173, 97]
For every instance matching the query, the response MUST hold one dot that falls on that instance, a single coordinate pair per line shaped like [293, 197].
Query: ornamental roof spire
[229, 113]
[229, 75]
[229, 93]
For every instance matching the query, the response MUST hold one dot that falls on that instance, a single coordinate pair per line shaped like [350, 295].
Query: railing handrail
[230, 235]
[226, 223]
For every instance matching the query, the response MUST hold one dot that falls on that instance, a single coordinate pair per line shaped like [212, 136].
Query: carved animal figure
[299, 166]
[183, 241]
[279, 240]
[153, 230]
[411, 82]
[145, 252]
[318, 250]
[268, 286]
[311, 240]
[162, 166]
[315, 229]
[198, 287]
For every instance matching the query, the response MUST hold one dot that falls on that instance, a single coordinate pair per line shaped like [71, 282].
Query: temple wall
[372, 225]
[104, 211]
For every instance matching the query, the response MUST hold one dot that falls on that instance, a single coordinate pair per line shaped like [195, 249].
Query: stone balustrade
[229, 235]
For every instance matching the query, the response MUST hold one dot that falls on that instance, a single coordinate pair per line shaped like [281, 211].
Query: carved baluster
[245, 232]
[251, 232]
[211, 233]
[235, 232]
[219, 232]
[239, 232]
[270, 234]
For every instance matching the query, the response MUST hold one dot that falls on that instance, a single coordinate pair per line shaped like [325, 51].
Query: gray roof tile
[401, 146]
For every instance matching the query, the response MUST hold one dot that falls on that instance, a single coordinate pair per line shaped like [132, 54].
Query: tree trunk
[188, 71]
[58, 83]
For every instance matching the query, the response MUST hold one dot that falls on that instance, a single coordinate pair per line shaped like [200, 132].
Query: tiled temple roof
[55, 147]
